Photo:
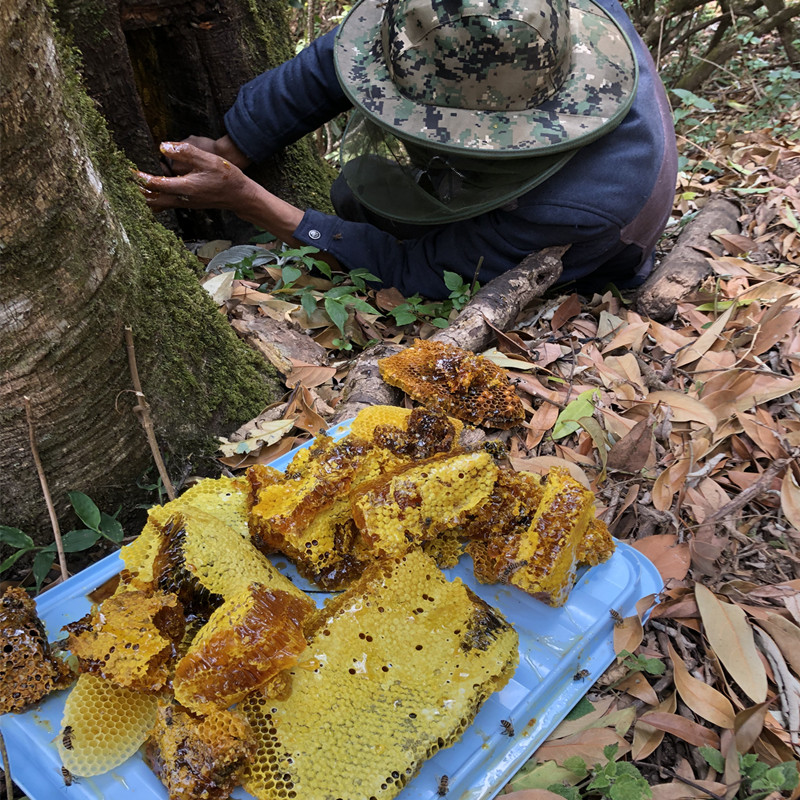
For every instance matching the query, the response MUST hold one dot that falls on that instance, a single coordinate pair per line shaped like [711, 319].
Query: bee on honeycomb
[459, 383]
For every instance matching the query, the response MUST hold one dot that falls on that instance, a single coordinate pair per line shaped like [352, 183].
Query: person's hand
[203, 180]
[223, 147]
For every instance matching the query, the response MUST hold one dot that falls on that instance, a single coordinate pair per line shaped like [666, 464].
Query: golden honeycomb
[547, 552]
[412, 505]
[455, 381]
[397, 667]
[445, 549]
[247, 641]
[422, 432]
[227, 499]
[130, 640]
[108, 725]
[597, 545]
[199, 758]
[28, 669]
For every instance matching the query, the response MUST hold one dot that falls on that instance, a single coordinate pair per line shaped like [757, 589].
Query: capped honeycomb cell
[396, 669]
[108, 725]
[227, 499]
[414, 504]
[247, 641]
[130, 640]
[455, 381]
[28, 669]
[199, 758]
[420, 433]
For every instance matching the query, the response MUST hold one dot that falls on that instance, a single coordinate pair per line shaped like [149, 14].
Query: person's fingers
[161, 183]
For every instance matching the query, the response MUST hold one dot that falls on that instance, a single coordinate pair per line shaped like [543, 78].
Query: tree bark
[81, 258]
[161, 70]
[685, 266]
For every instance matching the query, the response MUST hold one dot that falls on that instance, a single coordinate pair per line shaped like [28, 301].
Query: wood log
[498, 303]
[686, 265]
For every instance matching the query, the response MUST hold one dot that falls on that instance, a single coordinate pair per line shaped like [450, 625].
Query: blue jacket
[610, 202]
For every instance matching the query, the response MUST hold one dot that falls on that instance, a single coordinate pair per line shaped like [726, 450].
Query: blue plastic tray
[554, 645]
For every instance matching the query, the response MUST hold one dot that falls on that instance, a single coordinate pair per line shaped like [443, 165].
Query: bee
[67, 776]
[508, 727]
[580, 675]
[509, 568]
[442, 788]
[66, 737]
[616, 616]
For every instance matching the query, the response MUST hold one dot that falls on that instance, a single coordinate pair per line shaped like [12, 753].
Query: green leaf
[363, 306]
[41, 566]
[402, 316]
[580, 709]
[691, 99]
[337, 312]
[111, 528]
[15, 537]
[12, 559]
[290, 275]
[582, 406]
[630, 788]
[713, 757]
[453, 281]
[85, 509]
[569, 792]
[337, 292]
[322, 267]
[610, 750]
[308, 302]
[576, 765]
[81, 539]
[438, 322]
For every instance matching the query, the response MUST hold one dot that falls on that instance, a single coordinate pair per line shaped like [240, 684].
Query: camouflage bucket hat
[510, 78]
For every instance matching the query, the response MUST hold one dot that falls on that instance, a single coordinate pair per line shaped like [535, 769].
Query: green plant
[98, 525]
[640, 663]
[436, 313]
[758, 779]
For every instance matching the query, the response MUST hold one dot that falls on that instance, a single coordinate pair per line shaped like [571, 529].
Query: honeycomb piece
[130, 640]
[445, 549]
[139, 555]
[425, 431]
[415, 504]
[547, 553]
[199, 759]
[308, 516]
[459, 383]
[247, 641]
[597, 545]
[397, 667]
[108, 725]
[28, 669]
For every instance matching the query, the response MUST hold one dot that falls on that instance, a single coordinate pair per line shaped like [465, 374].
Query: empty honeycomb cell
[130, 639]
[199, 758]
[445, 549]
[455, 381]
[352, 687]
[108, 724]
[28, 669]
[413, 505]
[246, 643]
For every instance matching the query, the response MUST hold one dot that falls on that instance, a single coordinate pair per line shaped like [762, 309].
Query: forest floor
[688, 431]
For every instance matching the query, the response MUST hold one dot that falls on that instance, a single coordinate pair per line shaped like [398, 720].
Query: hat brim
[595, 97]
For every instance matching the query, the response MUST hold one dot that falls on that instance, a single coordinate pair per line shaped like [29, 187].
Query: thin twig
[6, 768]
[751, 492]
[142, 410]
[62, 561]
[687, 781]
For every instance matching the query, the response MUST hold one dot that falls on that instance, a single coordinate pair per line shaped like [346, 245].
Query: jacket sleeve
[283, 104]
[497, 240]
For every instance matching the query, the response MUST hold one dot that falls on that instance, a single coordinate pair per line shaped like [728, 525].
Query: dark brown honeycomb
[28, 669]
[455, 381]
[199, 758]
[427, 434]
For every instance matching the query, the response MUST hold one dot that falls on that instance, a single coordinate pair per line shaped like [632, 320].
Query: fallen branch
[495, 305]
[62, 560]
[749, 494]
[142, 410]
[6, 769]
[686, 265]
[499, 302]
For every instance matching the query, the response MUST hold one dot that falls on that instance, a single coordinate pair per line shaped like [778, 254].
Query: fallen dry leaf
[670, 558]
[646, 738]
[690, 732]
[587, 744]
[790, 500]
[628, 635]
[731, 637]
[703, 699]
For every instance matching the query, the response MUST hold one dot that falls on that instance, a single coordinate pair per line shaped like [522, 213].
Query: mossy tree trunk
[80, 258]
[165, 69]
